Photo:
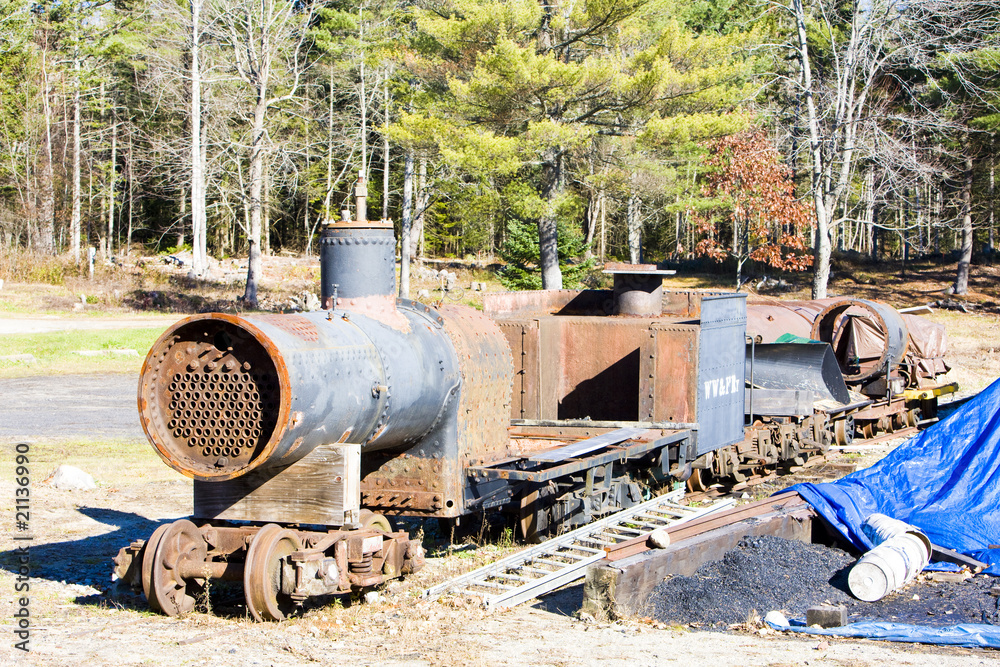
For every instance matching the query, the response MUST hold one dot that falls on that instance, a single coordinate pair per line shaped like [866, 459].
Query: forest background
[766, 136]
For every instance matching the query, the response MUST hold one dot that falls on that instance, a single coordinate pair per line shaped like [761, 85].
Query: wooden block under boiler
[322, 488]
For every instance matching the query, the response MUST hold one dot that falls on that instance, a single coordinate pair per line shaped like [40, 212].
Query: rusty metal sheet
[293, 324]
[647, 376]
[685, 305]
[598, 362]
[507, 305]
[429, 478]
[768, 322]
[522, 337]
[487, 371]
[676, 367]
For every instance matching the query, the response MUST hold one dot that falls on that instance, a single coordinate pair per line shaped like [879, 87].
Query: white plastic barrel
[901, 553]
[879, 528]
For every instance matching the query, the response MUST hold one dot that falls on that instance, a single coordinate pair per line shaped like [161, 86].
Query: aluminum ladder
[556, 562]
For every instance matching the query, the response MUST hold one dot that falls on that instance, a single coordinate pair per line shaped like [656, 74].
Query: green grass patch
[110, 462]
[57, 352]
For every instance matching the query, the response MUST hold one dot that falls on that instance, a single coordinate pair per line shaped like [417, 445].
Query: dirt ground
[78, 617]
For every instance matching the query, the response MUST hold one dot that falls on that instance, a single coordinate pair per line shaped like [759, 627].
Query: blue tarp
[945, 481]
[966, 634]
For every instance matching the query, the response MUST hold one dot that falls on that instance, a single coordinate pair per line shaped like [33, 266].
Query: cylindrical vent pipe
[638, 289]
[359, 256]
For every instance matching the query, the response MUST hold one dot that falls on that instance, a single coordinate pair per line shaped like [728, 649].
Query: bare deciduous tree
[268, 40]
[878, 54]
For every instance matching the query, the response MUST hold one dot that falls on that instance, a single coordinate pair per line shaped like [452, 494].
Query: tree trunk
[417, 233]
[385, 151]
[265, 211]
[406, 226]
[362, 99]
[254, 209]
[821, 246]
[992, 190]
[330, 216]
[593, 206]
[634, 224]
[112, 183]
[180, 223]
[77, 195]
[548, 236]
[964, 261]
[130, 174]
[604, 220]
[46, 189]
[199, 221]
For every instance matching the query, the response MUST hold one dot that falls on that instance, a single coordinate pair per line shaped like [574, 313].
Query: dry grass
[110, 462]
[973, 348]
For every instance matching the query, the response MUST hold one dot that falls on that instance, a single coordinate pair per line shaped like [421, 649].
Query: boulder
[71, 478]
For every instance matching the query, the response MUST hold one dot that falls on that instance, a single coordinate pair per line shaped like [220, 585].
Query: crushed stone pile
[771, 573]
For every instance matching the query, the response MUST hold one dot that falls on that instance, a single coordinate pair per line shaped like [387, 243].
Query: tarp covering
[865, 343]
[945, 481]
[928, 345]
[966, 634]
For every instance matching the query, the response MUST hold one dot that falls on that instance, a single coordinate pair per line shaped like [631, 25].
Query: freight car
[304, 432]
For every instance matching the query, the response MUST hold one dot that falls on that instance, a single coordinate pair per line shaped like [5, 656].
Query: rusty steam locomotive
[304, 432]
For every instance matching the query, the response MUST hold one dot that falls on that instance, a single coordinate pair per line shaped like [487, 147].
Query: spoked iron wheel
[844, 431]
[265, 571]
[171, 548]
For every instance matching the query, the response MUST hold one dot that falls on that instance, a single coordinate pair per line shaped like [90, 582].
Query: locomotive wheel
[899, 421]
[165, 590]
[868, 430]
[370, 519]
[844, 431]
[697, 480]
[147, 563]
[262, 573]
[913, 417]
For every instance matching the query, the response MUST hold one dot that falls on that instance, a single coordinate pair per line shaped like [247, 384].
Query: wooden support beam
[323, 488]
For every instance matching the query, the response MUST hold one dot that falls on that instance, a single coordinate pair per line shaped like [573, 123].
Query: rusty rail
[694, 527]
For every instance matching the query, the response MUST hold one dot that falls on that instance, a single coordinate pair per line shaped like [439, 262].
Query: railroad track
[564, 559]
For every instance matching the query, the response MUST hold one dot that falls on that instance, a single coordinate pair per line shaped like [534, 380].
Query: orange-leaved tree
[749, 210]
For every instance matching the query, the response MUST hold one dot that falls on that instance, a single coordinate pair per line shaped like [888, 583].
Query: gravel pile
[770, 573]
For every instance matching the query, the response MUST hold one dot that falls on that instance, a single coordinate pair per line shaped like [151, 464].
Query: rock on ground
[71, 478]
